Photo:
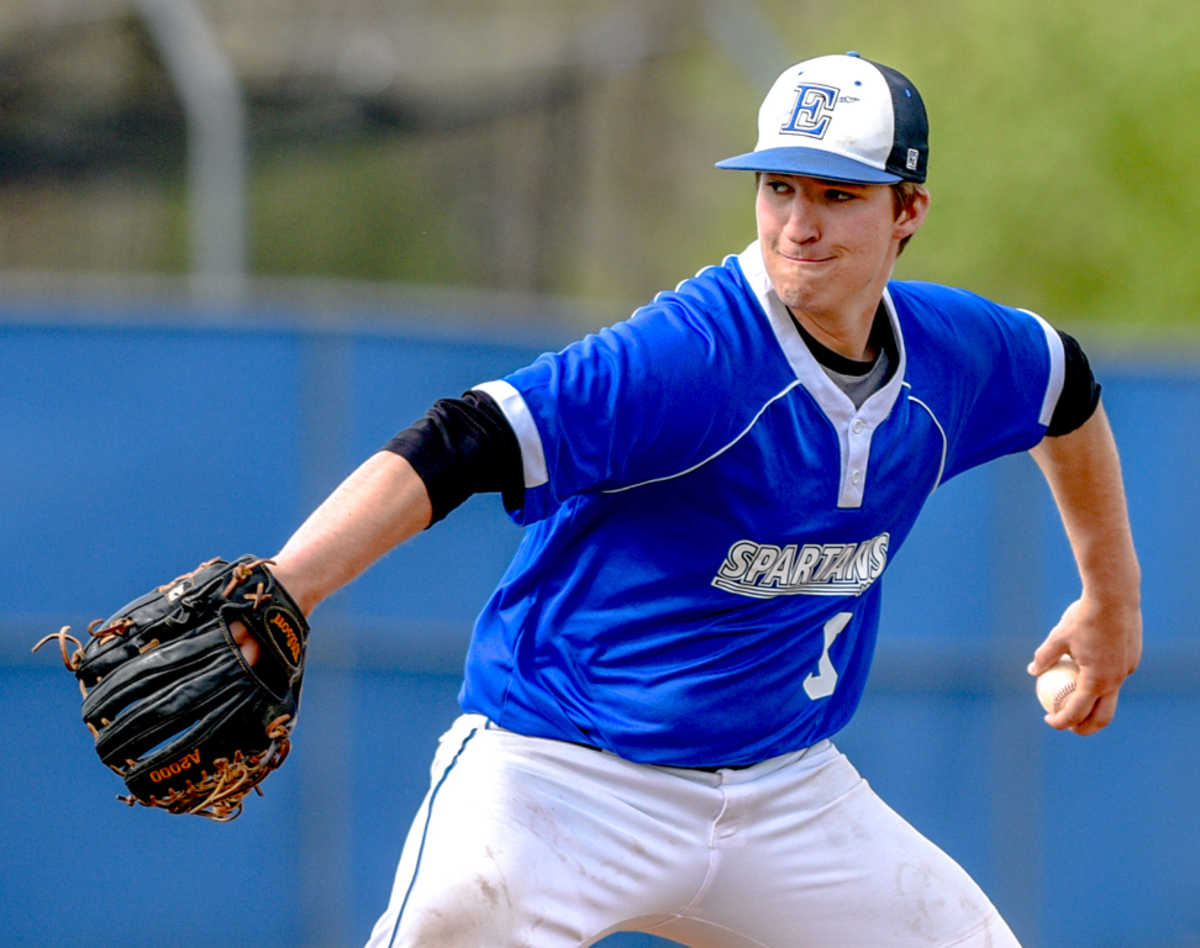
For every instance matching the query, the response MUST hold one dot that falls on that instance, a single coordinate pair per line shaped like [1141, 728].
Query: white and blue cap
[843, 118]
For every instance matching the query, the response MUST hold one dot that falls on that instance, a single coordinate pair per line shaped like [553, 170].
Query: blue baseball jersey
[709, 517]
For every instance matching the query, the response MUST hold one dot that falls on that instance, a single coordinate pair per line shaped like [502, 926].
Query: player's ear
[910, 214]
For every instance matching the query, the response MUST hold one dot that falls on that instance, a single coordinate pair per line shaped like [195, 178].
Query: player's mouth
[805, 261]
[802, 258]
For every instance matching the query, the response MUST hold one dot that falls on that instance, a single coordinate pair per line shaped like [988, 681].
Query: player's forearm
[1102, 630]
[1084, 473]
[376, 508]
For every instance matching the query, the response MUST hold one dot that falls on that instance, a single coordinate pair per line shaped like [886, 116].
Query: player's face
[829, 246]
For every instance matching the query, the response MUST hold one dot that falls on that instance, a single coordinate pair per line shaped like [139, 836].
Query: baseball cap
[844, 118]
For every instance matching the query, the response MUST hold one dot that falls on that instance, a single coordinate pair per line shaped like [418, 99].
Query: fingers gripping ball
[175, 708]
[1057, 683]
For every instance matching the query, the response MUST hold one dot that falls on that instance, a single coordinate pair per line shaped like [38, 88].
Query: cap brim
[811, 163]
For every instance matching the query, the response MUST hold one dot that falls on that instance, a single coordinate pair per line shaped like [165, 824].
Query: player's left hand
[1105, 639]
[247, 644]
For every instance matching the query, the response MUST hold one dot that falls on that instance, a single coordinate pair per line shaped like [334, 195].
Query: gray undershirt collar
[858, 386]
[861, 387]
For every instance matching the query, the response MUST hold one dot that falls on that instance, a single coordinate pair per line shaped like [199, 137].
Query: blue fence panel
[129, 451]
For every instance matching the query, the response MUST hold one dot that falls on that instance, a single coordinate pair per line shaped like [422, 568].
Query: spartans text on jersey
[764, 570]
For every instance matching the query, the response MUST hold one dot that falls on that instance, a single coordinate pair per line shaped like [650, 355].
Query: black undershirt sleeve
[1080, 391]
[463, 446]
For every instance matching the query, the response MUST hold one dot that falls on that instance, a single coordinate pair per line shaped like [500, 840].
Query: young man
[711, 492]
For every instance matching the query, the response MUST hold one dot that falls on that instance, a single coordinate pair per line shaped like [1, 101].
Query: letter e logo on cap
[812, 112]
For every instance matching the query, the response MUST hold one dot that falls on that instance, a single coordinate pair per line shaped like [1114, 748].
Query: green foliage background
[1064, 142]
[1063, 149]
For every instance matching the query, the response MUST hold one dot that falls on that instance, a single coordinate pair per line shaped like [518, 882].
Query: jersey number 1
[821, 684]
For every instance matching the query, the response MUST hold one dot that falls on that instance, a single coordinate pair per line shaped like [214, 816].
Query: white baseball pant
[544, 844]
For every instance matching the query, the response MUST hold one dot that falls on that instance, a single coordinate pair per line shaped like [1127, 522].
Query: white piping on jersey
[1058, 369]
[745, 431]
[854, 426]
[945, 442]
[533, 458]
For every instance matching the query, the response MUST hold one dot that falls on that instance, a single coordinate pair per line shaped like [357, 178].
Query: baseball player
[712, 492]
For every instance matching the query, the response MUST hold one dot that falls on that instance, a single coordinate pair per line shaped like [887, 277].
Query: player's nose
[803, 222]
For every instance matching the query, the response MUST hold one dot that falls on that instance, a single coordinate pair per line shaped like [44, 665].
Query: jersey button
[856, 478]
[858, 426]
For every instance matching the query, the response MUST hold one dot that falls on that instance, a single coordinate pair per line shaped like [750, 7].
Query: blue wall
[139, 440]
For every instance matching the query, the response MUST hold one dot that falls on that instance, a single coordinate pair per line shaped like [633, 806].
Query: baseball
[1057, 683]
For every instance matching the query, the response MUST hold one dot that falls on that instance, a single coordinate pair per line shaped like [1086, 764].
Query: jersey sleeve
[642, 400]
[992, 374]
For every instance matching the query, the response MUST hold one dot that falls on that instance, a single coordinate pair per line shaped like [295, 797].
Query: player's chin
[801, 292]
[794, 281]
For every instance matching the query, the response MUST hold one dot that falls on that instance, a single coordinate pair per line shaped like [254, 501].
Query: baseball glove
[173, 705]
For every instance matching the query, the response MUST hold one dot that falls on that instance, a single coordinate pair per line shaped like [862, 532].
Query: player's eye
[837, 195]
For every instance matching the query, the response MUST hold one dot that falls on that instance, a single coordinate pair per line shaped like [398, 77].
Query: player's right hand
[1105, 639]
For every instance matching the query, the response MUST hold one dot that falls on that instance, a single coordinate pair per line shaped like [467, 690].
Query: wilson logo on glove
[165, 687]
[279, 620]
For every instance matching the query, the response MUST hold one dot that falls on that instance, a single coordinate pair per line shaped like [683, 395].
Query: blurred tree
[1062, 148]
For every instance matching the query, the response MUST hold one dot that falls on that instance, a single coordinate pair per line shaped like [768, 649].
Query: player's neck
[849, 337]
